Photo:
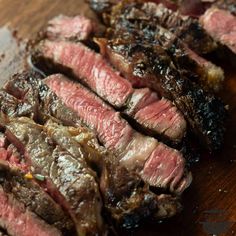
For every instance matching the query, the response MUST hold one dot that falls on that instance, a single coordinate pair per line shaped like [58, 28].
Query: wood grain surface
[212, 195]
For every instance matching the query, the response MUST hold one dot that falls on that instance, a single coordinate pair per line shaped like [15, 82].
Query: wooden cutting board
[212, 195]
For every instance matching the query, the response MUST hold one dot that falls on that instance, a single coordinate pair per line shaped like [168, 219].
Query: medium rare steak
[149, 65]
[128, 204]
[116, 134]
[221, 25]
[125, 199]
[67, 179]
[28, 192]
[93, 70]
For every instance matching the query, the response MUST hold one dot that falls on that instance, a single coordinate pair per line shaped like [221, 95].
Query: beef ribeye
[116, 135]
[68, 179]
[96, 73]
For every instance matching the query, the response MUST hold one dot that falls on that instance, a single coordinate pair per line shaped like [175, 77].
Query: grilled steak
[68, 179]
[93, 70]
[187, 29]
[125, 199]
[28, 192]
[221, 25]
[69, 28]
[133, 19]
[127, 204]
[21, 222]
[119, 137]
[149, 65]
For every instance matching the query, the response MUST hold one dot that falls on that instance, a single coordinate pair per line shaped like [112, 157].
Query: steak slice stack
[147, 64]
[128, 204]
[90, 68]
[119, 137]
[68, 179]
[125, 199]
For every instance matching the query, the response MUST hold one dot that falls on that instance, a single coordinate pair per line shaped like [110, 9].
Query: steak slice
[149, 65]
[24, 206]
[115, 133]
[130, 100]
[125, 199]
[28, 192]
[186, 28]
[75, 28]
[221, 25]
[67, 179]
[133, 19]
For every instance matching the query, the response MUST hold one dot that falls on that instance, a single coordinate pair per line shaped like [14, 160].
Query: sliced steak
[125, 199]
[187, 29]
[133, 19]
[67, 179]
[103, 80]
[19, 221]
[29, 193]
[94, 70]
[114, 132]
[75, 28]
[149, 65]
[221, 25]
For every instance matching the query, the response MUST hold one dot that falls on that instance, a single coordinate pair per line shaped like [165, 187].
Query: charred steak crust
[149, 65]
[136, 21]
[126, 199]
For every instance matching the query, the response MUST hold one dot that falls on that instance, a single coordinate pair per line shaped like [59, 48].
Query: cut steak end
[221, 25]
[68, 179]
[75, 28]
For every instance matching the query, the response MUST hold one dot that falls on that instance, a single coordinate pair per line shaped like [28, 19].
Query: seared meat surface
[68, 179]
[98, 134]
[147, 64]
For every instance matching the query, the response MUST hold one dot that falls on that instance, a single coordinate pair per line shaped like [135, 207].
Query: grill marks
[147, 64]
